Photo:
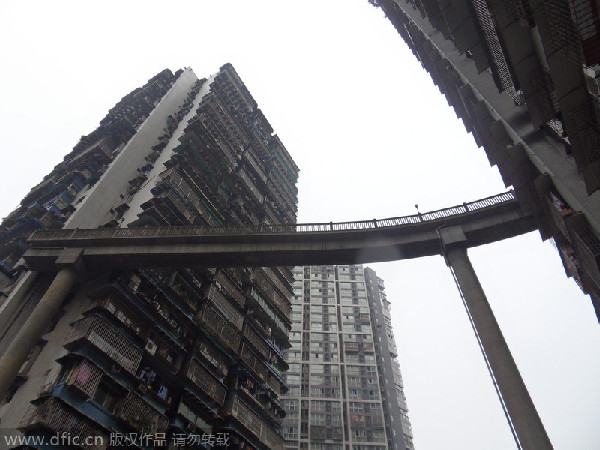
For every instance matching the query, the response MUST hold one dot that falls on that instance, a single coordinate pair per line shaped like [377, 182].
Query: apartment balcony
[351, 347]
[286, 272]
[256, 166]
[284, 288]
[101, 334]
[264, 281]
[284, 197]
[254, 363]
[227, 153]
[272, 216]
[230, 288]
[243, 414]
[186, 290]
[53, 415]
[207, 383]
[139, 415]
[558, 210]
[215, 357]
[250, 186]
[367, 347]
[587, 247]
[261, 401]
[181, 185]
[256, 341]
[85, 378]
[270, 315]
[225, 307]
[320, 433]
[219, 328]
[138, 312]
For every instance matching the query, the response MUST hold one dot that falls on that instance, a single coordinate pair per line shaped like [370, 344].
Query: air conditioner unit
[150, 347]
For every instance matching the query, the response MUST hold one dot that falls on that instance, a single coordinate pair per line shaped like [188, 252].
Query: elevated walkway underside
[483, 221]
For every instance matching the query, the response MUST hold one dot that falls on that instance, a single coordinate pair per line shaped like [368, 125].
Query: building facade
[524, 76]
[158, 358]
[344, 384]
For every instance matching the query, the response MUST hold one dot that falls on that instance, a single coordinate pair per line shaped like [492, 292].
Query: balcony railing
[100, 233]
[257, 342]
[101, 334]
[55, 416]
[207, 383]
[268, 309]
[253, 423]
[138, 414]
[588, 249]
[227, 309]
[250, 185]
[254, 363]
[214, 356]
[230, 288]
[219, 328]
[255, 166]
[85, 378]
[559, 210]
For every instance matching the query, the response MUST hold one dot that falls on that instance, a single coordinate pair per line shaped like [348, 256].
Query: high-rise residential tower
[344, 384]
[186, 358]
[524, 76]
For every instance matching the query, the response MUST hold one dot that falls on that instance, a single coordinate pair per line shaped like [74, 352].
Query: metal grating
[206, 382]
[225, 308]
[585, 16]
[253, 423]
[212, 321]
[106, 338]
[564, 36]
[499, 66]
[585, 139]
[140, 415]
[588, 250]
[542, 96]
[85, 378]
[56, 416]
[520, 10]
[257, 342]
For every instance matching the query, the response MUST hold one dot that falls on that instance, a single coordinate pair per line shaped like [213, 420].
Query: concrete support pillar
[519, 406]
[14, 302]
[34, 328]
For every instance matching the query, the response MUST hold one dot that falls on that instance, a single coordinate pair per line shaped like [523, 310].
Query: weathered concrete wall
[95, 209]
[45, 368]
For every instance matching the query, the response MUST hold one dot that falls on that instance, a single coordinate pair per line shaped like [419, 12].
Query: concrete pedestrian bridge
[482, 221]
[73, 253]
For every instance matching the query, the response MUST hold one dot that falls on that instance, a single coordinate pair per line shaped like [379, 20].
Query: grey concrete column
[11, 305]
[519, 406]
[34, 328]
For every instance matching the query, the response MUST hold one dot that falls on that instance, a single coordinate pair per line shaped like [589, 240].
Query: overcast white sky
[372, 136]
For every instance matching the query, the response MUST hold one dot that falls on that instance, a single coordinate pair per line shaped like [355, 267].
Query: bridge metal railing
[465, 208]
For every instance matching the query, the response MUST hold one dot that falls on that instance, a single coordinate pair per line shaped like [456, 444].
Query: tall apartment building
[173, 358]
[524, 76]
[344, 384]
